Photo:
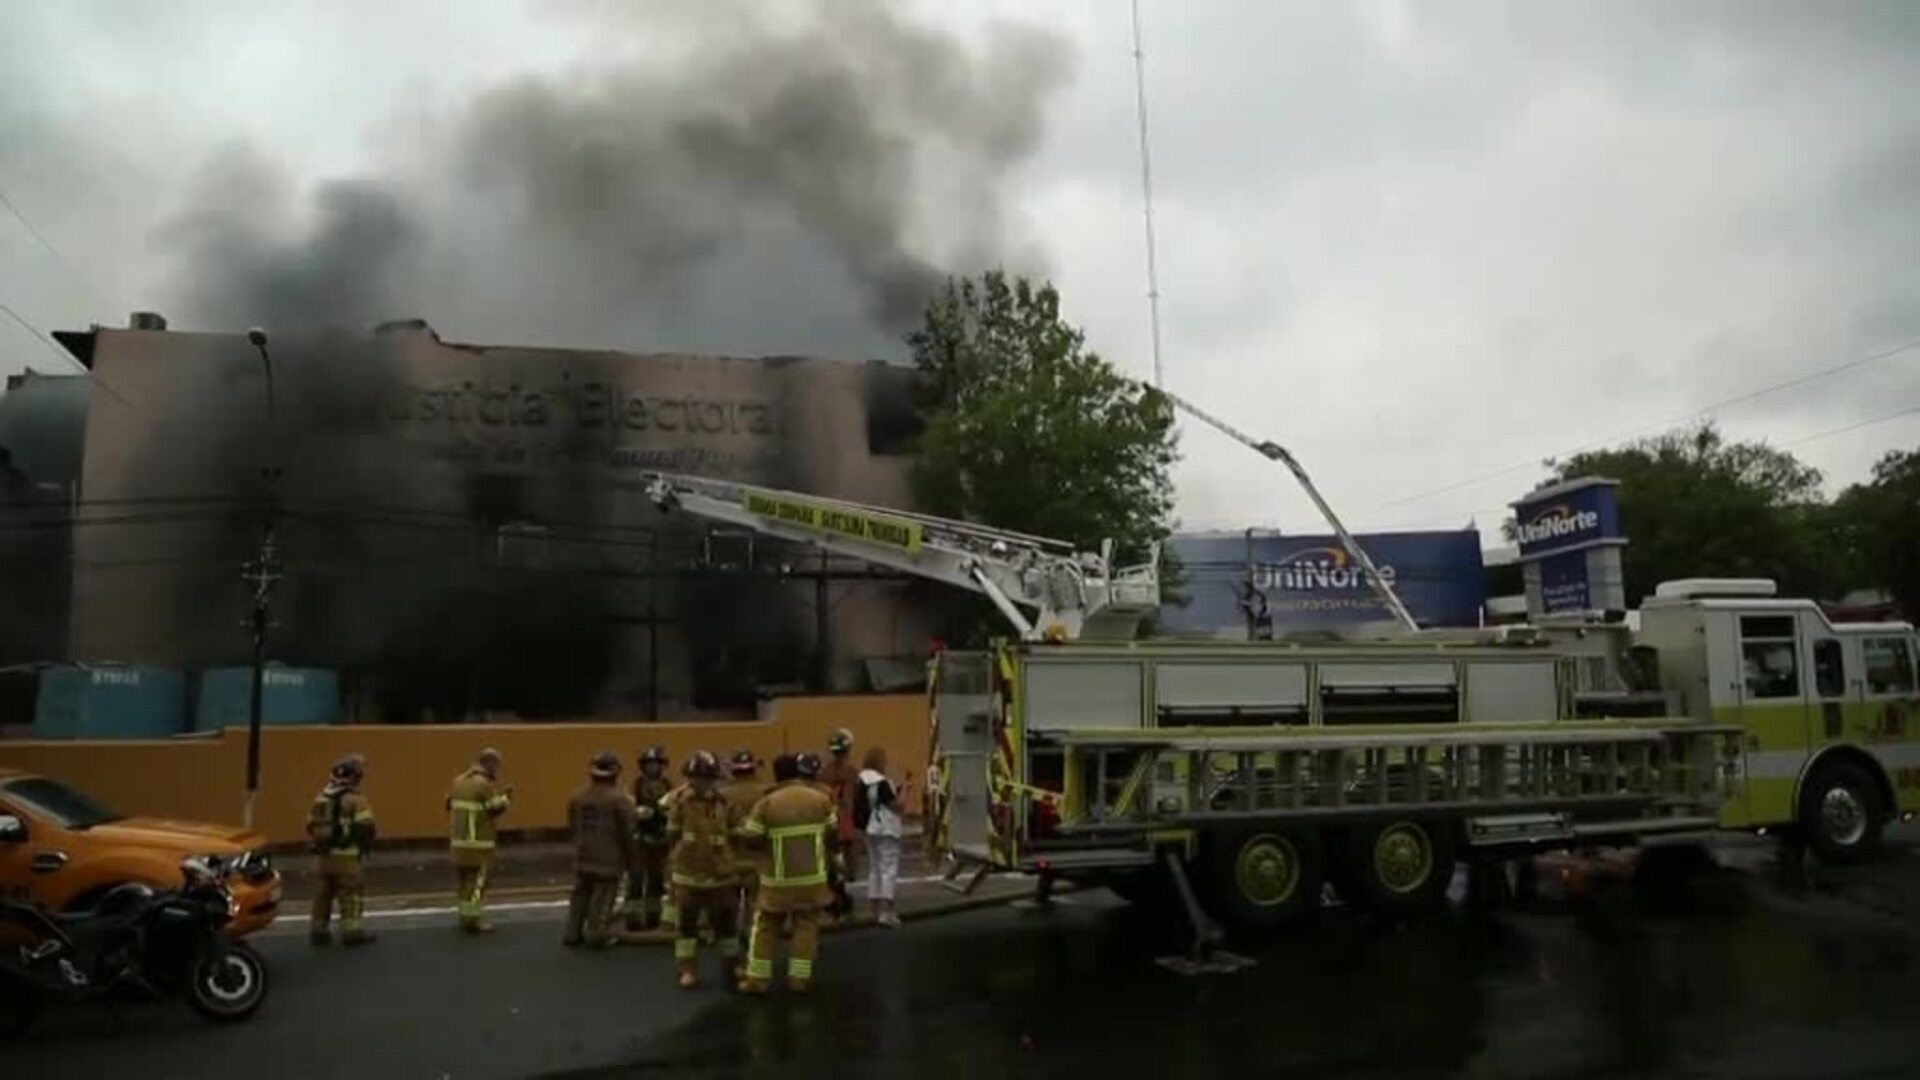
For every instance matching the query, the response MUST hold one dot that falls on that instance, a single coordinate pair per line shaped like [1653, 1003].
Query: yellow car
[62, 849]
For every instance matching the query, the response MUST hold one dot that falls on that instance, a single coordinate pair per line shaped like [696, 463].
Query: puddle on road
[1077, 994]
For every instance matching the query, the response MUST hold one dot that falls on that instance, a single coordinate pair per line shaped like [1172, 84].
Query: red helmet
[742, 763]
[702, 765]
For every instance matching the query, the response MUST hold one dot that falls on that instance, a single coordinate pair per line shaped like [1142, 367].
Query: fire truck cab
[1826, 712]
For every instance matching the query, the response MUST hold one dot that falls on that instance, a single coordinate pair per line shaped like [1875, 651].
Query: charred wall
[462, 528]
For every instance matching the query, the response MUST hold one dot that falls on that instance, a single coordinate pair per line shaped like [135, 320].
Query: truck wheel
[1400, 867]
[1262, 877]
[1840, 813]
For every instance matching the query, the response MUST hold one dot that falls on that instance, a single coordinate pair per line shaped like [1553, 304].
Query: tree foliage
[1876, 526]
[1027, 429]
[1695, 505]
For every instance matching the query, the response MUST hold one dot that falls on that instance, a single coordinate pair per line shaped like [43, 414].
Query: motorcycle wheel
[20, 1005]
[229, 985]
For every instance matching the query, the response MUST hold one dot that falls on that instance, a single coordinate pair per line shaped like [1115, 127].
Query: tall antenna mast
[1146, 192]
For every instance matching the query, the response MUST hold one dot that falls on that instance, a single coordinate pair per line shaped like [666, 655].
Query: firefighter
[340, 824]
[474, 805]
[841, 777]
[700, 822]
[797, 822]
[647, 881]
[807, 770]
[605, 829]
[741, 792]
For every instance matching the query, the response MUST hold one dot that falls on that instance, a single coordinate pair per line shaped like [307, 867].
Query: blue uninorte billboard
[1311, 583]
[1564, 517]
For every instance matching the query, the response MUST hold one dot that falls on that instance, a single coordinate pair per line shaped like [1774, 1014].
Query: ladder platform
[1438, 735]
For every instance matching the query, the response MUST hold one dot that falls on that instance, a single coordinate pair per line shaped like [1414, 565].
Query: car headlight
[200, 869]
[253, 866]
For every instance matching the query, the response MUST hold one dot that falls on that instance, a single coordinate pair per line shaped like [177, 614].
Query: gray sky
[1417, 243]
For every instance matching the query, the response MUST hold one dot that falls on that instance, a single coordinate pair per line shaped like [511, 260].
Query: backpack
[862, 807]
[337, 832]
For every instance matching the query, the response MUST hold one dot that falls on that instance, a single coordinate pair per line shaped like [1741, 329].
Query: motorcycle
[160, 944]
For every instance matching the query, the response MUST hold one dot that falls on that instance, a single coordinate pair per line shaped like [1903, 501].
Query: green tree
[1695, 505]
[1027, 429]
[1877, 527]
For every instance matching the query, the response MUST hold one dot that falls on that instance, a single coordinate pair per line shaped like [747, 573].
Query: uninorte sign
[879, 529]
[1567, 517]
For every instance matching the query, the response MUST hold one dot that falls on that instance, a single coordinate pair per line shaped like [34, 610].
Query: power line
[1715, 407]
[35, 232]
[1856, 426]
[54, 347]
[1502, 512]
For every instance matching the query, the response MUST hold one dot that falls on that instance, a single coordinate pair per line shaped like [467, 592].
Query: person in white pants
[880, 799]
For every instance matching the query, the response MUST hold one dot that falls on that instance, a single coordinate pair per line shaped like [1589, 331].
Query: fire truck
[1240, 780]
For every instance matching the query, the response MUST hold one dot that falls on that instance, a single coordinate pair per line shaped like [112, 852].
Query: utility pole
[261, 572]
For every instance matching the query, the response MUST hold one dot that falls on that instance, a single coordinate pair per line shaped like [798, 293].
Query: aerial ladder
[1273, 451]
[1044, 588]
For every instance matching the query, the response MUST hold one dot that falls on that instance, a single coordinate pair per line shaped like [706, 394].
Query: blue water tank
[110, 702]
[288, 695]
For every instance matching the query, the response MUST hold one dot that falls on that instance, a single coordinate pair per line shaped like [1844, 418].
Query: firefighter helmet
[840, 741]
[742, 763]
[349, 768]
[654, 755]
[702, 765]
[604, 765]
[807, 765]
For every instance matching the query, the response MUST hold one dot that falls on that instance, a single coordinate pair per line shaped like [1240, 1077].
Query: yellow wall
[409, 767]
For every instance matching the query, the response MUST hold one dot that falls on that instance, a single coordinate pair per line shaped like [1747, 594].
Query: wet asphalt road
[1763, 982]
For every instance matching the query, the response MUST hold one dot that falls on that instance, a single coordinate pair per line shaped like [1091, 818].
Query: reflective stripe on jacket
[796, 819]
[475, 801]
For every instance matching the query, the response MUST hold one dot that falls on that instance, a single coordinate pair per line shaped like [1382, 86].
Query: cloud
[1422, 243]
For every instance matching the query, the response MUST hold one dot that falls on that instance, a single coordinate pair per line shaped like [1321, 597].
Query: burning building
[461, 529]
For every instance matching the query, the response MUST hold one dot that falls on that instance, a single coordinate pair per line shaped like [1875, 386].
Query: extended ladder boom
[1043, 587]
[1273, 451]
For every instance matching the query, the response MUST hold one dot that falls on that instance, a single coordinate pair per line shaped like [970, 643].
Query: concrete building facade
[462, 529]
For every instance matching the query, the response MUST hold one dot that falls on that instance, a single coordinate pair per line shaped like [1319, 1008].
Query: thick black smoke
[727, 183]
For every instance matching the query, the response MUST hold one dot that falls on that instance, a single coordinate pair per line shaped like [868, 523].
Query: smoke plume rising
[718, 181]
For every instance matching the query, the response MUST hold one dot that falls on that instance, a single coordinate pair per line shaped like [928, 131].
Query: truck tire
[1261, 877]
[1401, 867]
[1840, 813]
